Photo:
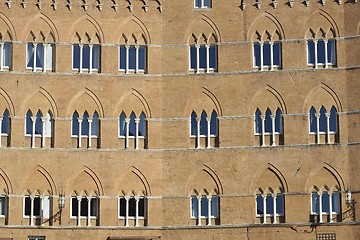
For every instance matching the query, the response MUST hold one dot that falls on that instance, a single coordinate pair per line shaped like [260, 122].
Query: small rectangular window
[335, 202]
[203, 57]
[39, 55]
[277, 54]
[214, 206]
[132, 57]
[257, 54]
[259, 205]
[142, 57]
[3, 206]
[74, 207]
[321, 52]
[132, 207]
[141, 207]
[122, 207]
[193, 54]
[212, 56]
[122, 57]
[315, 206]
[6, 54]
[85, 57]
[325, 198]
[204, 206]
[30, 55]
[266, 54]
[269, 204]
[311, 52]
[76, 56]
[331, 52]
[194, 207]
[280, 204]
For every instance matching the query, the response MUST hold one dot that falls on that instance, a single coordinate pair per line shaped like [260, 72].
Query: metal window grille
[326, 236]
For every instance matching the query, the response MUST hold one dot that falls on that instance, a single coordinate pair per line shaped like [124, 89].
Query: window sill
[131, 218]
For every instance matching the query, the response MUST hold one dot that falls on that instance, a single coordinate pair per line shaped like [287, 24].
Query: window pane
[204, 206]
[213, 124]
[40, 55]
[30, 55]
[259, 205]
[277, 54]
[95, 56]
[132, 207]
[269, 204]
[325, 198]
[94, 207]
[27, 207]
[333, 120]
[335, 202]
[257, 54]
[203, 124]
[38, 124]
[132, 57]
[311, 52]
[194, 206]
[203, 56]
[84, 207]
[74, 206]
[95, 125]
[142, 125]
[266, 54]
[197, 3]
[6, 55]
[48, 125]
[215, 206]
[49, 56]
[141, 207]
[75, 124]
[193, 124]
[28, 122]
[85, 124]
[122, 60]
[5, 122]
[36, 211]
[313, 124]
[280, 204]
[323, 121]
[331, 51]
[2, 205]
[193, 57]
[122, 127]
[207, 3]
[278, 121]
[76, 56]
[315, 202]
[321, 52]
[268, 121]
[132, 127]
[212, 56]
[86, 56]
[142, 57]
[46, 207]
[122, 207]
[258, 122]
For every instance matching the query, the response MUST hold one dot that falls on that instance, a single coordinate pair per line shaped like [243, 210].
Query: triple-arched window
[323, 123]
[325, 204]
[204, 126]
[85, 127]
[133, 127]
[268, 124]
[39, 126]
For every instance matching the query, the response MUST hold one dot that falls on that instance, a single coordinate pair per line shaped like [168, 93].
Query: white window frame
[3, 211]
[91, 69]
[316, 64]
[263, 132]
[47, 48]
[89, 135]
[36, 238]
[45, 120]
[3, 66]
[89, 217]
[198, 136]
[265, 214]
[127, 136]
[202, 5]
[127, 69]
[210, 215]
[321, 214]
[136, 217]
[328, 133]
[208, 69]
[43, 213]
[272, 65]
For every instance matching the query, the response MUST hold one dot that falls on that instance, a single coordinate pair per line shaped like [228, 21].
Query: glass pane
[333, 119]
[75, 124]
[86, 56]
[278, 121]
[321, 52]
[142, 125]
[2, 206]
[38, 124]
[132, 126]
[49, 56]
[85, 124]
[277, 54]
[122, 127]
[84, 207]
[213, 124]
[268, 121]
[122, 207]
[280, 204]
[194, 206]
[269, 204]
[94, 207]
[6, 55]
[313, 125]
[266, 54]
[203, 124]
[259, 205]
[95, 56]
[311, 52]
[212, 56]
[207, 3]
[95, 125]
[331, 51]
[203, 56]
[257, 54]
[258, 122]
[5, 122]
[142, 57]
[193, 57]
[323, 121]
[193, 124]
[46, 207]
[315, 202]
[76, 56]
[27, 207]
[30, 55]
[40, 55]
[48, 127]
[325, 198]
[74, 207]
[335, 202]
[132, 57]
[214, 206]
[197, 3]
[132, 207]
[28, 122]
[204, 206]
[36, 210]
[141, 207]
[122, 64]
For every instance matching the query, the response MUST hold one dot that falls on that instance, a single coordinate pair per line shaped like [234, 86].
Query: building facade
[193, 119]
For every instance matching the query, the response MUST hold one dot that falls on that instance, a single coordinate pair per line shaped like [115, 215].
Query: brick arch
[8, 102]
[86, 26]
[267, 97]
[132, 182]
[33, 25]
[5, 183]
[35, 101]
[268, 177]
[82, 102]
[202, 27]
[263, 25]
[321, 19]
[133, 100]
[204, 178]
[203, 100]
[124, 28]
[38, 181]
[10, 31]
[85, 181]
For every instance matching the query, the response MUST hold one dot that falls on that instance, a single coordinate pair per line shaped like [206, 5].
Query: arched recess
[5, 183]
[267, 97]
[6, 103]
[84, 183]
[40, 26]
[322, 95]
[133, 100]
[133, 183]
[320, 20]
[132, 27]
[325, 175]
[202, 28]
[86, 30]
[269, 177]
[266, 27]
[203, 100]
[7, 29]
[205, 181]
[39, 99]
[85, 100]
[38, 181]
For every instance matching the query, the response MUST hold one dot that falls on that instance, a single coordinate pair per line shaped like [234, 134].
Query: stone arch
[202, 27]
[5, 183]
[86, 30]
[133, 101]
[85, 100]
[322, 95]
[40, 25]
[273, 100]
[7, 104]
[7, 29]
[320, 20]
[132, 26]
[325, 176]
[264, 26]
[269, 178]
[204, 180]
[133, 183]
[203, 100]
[38, 181]
[85, 182]
[39, 99]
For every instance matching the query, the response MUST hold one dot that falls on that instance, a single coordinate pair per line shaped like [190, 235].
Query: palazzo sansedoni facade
[192, 119]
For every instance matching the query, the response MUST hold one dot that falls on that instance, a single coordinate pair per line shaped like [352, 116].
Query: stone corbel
[115, 6]
[258, 4]
[274, 3]
[69, 5]
[146, 8]
[99, 5]
[130, 7]
[323, 2]
[23, 3]
[54, 4]
[291, 3]
[8, 3]
[39, 4]
[307, 2]
[242, 5]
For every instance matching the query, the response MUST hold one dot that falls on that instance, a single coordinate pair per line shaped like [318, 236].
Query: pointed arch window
[203, 56]
[40, 56]
[323, 123]
[39, 126]
[132, 208]
[85, 127]
[269, 124]
[5, 123]
[321, 52]
[86, 57]
[205, 127]
[132, 128]
[5, 55]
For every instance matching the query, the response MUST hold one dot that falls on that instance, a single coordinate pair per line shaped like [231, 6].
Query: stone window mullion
[274, 213]
[34, 62]
[330, 207]
[127, 211]
[207, 57]
[2, 56]
[33, 120]
[327, 127]
[262, 130]
[261, 56]
[89, 133]
[209, 210]
[271, 55]
[136, 59]
[81, 57]
[136, 211]
[273, 117]
[44, 56]
[320, 207]
[264, 203]
[31, 211]
[326, 52]
[127, 122]
[88, 211]
[198, 133]
[127, 59]
[137, 121]
[43, 120]
[80, 119]
[208, 120]
[90, 58]
[197, 46]
[199, 210]
[317, 115]
[78, 198]
[1, 123]
[316, 53]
